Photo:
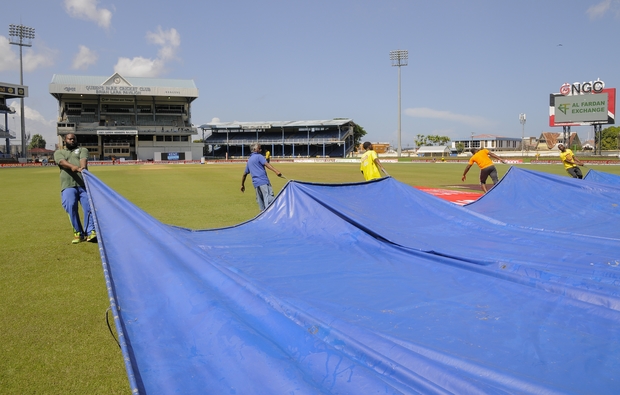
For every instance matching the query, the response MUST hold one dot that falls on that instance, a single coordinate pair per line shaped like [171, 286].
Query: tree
[609, 138]
[460, 147]
[438, 140]
[443, 140]
[37, 142]
[422, 140]
[358, 133]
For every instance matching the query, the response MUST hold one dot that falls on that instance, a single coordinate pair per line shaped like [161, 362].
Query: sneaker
[77, 238]
[92, 237]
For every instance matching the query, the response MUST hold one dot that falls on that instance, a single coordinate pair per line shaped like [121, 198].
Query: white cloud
[30, 114]
[168, 40]
[35, 124]
[87, 10]
[215, 120]
[470, 120]
[603, 8]
[84, 58]
[35, 60]
[599, 10]
[139, 67]
[9, 59]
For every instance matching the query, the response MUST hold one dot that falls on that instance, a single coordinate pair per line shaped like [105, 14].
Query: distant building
[380, 148]
[128, 117]
[434, 151]
[530, 143]
[549, 141]
[9, 91]
[490, 142]
[314, 138]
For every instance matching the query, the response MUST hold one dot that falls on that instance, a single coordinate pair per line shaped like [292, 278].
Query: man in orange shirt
[482, 157]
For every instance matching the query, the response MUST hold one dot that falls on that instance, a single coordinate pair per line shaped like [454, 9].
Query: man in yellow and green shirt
[370, 163]
[570, 162]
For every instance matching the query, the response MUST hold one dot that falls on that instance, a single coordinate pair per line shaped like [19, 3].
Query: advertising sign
[10, 90]
[582, 104]
[581, 108]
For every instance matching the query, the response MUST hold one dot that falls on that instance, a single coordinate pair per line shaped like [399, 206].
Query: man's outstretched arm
[465, 172]
[492, 155]
[243, 182]
[273, 169]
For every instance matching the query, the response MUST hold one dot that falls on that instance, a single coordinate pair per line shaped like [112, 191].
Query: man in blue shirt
[256, 167]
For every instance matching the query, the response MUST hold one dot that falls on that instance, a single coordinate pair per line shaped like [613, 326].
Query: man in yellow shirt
[570, 162]
[482, 157]
[370, 163]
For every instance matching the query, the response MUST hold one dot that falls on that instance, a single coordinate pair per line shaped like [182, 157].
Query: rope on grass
[107, 320]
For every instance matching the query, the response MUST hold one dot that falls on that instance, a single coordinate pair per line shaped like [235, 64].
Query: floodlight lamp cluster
[399, 57]
[21, 35]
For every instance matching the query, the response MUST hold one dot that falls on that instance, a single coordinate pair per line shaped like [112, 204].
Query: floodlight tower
[21, 35]
[399, 58]
[522, 120]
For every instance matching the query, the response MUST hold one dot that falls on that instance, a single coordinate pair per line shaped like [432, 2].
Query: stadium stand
[134, 112]
[322, 138]
[8, 91]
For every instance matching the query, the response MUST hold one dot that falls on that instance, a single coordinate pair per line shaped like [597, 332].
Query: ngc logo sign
[580, 88]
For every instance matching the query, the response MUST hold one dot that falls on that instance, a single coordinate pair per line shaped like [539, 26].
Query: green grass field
[54, 336]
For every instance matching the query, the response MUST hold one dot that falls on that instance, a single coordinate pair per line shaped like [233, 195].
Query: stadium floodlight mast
[399, 58]
[522, 120]
[21, 35]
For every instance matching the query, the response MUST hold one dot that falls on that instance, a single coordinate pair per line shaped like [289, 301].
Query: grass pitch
[54, 336]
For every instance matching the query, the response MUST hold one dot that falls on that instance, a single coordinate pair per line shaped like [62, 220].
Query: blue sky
[473, 66]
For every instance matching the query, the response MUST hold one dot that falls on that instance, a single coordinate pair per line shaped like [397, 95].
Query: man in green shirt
[72, 160]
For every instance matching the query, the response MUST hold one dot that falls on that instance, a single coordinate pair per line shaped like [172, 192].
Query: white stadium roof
[65, 79]
[275, 124]
[117, 84]
[433, 149]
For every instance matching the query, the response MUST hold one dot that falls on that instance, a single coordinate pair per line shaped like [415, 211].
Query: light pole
[399, 58]
[21, 35]
[522, 120]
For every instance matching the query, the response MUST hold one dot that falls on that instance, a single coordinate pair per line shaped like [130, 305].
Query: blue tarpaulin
[542, 201]
[373, 288]
[602, 177]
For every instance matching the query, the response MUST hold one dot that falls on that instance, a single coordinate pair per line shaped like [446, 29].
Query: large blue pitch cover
[542, 201]
[602, 177]
[370, 288]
